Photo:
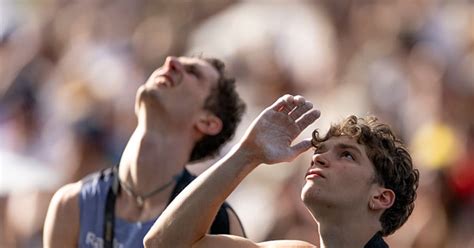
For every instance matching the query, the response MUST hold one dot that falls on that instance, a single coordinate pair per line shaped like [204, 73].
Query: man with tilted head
[186, 111]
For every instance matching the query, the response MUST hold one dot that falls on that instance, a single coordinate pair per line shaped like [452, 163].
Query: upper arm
[61, 227]
[228, 241]
[235, 225]
[231, 241]
[287, 244]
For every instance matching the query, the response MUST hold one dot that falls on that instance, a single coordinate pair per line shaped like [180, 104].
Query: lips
[314, 173]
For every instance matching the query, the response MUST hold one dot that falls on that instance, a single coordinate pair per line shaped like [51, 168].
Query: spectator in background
[186, 111]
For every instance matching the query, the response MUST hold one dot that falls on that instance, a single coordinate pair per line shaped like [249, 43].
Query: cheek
[195, 93]
[352, 182]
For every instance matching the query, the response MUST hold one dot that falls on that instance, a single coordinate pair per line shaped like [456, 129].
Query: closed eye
[193, 70]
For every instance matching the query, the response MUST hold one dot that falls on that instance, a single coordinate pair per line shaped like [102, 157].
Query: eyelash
[345, 153]
[192, 69]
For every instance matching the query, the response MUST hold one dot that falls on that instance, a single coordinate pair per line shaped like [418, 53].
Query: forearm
[187, 219]
[267, 140]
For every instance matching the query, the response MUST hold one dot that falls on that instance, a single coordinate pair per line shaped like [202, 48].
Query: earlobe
[209, 124]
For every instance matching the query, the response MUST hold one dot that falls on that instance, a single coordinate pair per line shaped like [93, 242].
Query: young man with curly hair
[186, 111]
[360, 185]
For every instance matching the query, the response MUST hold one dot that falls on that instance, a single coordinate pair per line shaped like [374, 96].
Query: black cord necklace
[141, 198]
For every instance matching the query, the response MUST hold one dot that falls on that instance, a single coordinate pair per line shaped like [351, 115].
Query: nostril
[172, 66]
[171, 62]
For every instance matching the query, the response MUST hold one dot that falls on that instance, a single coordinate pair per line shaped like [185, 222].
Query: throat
[146, 147]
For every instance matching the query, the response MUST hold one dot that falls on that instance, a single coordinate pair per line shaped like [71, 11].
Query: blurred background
[69, 70]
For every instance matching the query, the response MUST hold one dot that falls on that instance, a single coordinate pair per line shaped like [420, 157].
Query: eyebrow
[322, 147]
[347, 146]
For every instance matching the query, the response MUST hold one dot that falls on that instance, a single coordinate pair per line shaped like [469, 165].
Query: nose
[319, 160]
[172, 63]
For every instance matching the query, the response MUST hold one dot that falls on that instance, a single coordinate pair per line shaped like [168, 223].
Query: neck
[347, 228]
[154, 154]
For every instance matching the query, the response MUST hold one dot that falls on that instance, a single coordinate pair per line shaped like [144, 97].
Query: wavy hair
[393, 164]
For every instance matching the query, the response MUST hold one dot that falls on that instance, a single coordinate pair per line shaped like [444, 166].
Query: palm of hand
[271, 134]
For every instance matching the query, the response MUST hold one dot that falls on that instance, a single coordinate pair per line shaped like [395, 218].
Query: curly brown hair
[225, 103]
[393, 164]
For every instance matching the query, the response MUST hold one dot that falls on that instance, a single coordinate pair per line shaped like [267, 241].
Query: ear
[209, 124]
[383, 199]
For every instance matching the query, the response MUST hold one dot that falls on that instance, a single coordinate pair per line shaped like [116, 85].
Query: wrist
[246, 155]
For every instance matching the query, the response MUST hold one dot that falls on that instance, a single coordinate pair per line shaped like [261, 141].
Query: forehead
[343, 141]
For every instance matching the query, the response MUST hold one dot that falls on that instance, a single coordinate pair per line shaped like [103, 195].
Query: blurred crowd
[69, 70]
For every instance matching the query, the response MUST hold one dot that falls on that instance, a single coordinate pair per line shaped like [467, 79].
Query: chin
[147, 96]
[309, 192]
[140, 92]
[147, 93]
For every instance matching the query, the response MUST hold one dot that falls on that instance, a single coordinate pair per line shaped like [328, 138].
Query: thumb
[301, 147]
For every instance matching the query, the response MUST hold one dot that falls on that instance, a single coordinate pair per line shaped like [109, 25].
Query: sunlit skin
[340, 191]
[341, 179]
[171, 119]
[341, 175]
[170, 114]
[177, 90]
[277, 126]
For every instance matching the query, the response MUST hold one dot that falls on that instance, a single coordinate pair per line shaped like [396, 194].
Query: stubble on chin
[309, 193]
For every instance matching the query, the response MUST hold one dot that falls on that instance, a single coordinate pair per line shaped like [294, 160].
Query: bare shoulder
[228, 241]
[286, 244]
[62, 220]
[235, 225]
[232, 241]
[66, 199]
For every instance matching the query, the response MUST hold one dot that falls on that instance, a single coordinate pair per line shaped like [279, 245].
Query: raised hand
[268, 139]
